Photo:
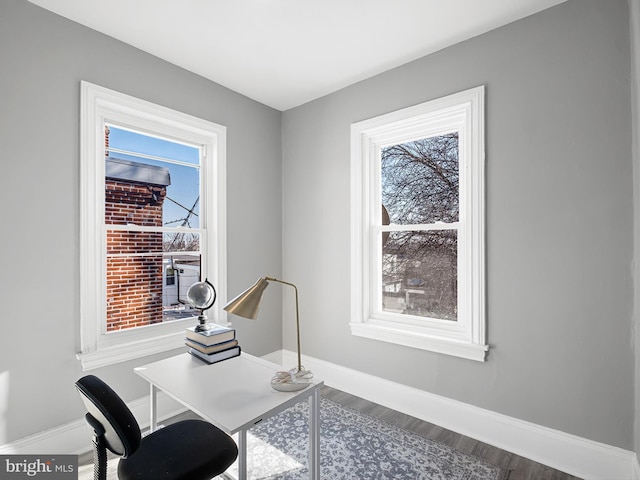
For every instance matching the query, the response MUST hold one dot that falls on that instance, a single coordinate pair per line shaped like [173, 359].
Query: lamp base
[291, 381]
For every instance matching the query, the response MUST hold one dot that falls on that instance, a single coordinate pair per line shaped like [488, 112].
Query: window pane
[148, 275]
[420, 181]
[147, 191]
[419, 274]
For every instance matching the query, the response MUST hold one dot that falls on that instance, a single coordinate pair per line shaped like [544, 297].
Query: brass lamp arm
[272, 279]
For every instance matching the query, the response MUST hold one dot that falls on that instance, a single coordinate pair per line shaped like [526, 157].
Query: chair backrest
[122, 432]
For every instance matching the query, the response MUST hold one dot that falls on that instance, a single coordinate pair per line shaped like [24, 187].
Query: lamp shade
[248, 302]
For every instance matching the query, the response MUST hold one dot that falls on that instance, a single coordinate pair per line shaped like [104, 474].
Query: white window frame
[99, 106]
[462, 112]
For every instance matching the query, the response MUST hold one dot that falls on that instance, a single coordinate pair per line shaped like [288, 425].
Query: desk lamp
[246, 305]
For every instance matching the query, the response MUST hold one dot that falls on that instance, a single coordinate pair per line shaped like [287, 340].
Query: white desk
[234, 395]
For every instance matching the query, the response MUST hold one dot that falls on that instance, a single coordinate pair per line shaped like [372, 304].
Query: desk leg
[153, 412]
[242, 455]
[314, 435]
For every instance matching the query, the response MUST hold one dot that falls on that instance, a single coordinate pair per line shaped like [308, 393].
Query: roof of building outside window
[118, 169]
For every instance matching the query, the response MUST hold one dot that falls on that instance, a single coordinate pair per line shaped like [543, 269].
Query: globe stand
[203, 326]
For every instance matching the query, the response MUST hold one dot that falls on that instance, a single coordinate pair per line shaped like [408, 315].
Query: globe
[202, 295]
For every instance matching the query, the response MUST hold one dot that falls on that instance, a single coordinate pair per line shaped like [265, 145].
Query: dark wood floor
[519, 468]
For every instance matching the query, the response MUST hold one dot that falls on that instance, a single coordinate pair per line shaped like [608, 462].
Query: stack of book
[213, 345]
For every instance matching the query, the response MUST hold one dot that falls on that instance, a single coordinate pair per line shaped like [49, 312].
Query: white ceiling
[284, 53]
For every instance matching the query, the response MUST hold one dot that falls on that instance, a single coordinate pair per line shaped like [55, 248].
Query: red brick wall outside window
[134, 283]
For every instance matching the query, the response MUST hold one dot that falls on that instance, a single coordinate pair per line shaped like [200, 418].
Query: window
[152, 223]
[418, 226]
[170, 278]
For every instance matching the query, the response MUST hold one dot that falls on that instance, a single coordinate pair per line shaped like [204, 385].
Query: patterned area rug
[354, 446]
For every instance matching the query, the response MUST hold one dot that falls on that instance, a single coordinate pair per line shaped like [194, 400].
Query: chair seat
[190, 449]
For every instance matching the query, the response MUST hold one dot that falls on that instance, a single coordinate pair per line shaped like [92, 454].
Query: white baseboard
[565, 452]
[569, 453]
[75, 437]
[636, 468]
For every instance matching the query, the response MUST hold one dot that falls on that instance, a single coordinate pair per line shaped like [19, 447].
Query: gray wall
[43, 57]
[559, 220]
[634, 17]
[559, 208]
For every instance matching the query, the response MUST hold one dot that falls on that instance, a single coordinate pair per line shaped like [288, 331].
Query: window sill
[130, 351]
[410, 338]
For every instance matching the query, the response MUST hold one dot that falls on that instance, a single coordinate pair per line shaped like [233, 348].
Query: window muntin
[418, 242]
[183, 163]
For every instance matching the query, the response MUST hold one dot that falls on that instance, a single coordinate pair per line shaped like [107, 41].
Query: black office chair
[186, 450]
